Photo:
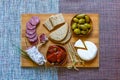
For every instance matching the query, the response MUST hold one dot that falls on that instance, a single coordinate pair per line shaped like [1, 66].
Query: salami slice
[34, 20]
[43, 38]
[30, 26]
[34, 39]
[30, 32]
[30, 36]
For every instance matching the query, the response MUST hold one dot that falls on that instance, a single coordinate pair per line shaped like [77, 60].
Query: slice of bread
[48, 25]
[59, 34]
[57, 19]
[67, 38]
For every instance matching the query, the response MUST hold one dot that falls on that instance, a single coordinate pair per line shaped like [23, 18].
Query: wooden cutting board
[93, 36]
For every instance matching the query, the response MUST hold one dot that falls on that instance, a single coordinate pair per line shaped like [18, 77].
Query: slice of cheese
[79, 44]
[88, 54]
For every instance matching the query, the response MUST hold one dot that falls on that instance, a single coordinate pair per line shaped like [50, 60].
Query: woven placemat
[10, 16]
[109, 11]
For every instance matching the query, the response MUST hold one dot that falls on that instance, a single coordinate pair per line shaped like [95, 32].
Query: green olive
[83, 32]
[75, 20]
[82, 21]
[77, 31]
[87, 19]
[83, 27]
[78, 25]
[80, 16]
[74, 25]
[87, 31]
[87, 25]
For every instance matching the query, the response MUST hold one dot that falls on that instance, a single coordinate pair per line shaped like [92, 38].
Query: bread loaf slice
[60, 33]
[57, 20]
[67, 38]
[48, 25]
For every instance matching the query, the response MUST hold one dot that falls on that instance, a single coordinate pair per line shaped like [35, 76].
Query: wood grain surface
[93, 36]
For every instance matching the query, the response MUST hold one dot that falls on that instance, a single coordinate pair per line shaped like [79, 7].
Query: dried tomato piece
[56, 54]
[52, 49]
[61, 56]
[52, 58]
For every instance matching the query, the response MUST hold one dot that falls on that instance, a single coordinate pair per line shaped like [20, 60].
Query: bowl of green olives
[81, 24]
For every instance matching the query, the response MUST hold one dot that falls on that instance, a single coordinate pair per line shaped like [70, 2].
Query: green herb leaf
[24, 54]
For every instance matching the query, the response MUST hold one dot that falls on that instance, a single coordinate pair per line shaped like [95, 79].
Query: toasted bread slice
[48, 25]
[57, 19]
[60, 33]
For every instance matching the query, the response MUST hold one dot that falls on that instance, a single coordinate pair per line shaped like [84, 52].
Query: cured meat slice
[34, 39]
[30, 26]
[43, 38]
[30, 32]
[36, 56]
[30, 36]
[34, 20]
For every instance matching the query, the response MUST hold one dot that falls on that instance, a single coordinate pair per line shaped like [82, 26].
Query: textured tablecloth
[109, 11]
[10, 15]
[10, 12]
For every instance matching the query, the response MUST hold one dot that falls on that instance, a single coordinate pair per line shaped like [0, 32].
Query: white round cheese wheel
[88, 54]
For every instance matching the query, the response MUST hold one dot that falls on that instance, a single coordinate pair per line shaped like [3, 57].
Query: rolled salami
[36, 56]
[43, 38]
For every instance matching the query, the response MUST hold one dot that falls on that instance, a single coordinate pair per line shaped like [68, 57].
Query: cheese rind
[88, 54]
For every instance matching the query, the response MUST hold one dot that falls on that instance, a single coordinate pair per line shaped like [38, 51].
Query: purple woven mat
[109, 11]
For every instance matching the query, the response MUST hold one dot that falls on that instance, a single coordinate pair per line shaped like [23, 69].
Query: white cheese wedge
[35, 55]
[88, 54]
[79, 44]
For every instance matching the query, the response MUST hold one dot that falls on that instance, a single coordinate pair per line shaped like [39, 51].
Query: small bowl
[90, 30]
[61, 62]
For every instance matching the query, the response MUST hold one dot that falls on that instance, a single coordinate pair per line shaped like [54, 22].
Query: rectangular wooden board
[93, 36]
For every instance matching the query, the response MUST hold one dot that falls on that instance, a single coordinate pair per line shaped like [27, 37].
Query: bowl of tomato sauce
[56, 55]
